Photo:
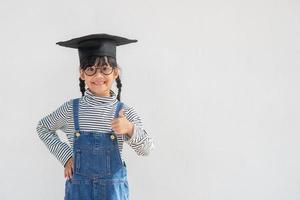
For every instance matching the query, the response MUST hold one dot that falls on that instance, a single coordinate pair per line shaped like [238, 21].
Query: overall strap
[75, 114]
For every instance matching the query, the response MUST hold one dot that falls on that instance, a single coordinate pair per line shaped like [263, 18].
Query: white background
[216, 83]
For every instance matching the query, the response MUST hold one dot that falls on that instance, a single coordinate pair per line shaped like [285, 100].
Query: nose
[98, 72]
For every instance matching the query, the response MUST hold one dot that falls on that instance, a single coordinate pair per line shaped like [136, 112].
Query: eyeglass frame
[100, 68]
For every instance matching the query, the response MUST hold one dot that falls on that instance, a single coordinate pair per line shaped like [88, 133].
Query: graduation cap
[96, 44]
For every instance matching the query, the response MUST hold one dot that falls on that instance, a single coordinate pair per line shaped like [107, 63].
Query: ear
[116, 72]
[82, 75]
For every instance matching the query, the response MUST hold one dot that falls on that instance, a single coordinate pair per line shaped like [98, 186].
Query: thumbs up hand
[121, 125]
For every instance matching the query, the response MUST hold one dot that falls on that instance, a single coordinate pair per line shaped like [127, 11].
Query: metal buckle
[77, 134]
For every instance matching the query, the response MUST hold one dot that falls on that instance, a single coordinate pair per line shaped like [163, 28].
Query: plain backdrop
[216, 84]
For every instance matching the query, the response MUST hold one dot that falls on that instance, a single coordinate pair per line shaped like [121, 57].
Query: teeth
[99, 82]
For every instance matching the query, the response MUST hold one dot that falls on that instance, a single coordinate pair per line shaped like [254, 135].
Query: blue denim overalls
[98, 170]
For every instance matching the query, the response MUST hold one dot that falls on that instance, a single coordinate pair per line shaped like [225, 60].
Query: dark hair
[99, 60]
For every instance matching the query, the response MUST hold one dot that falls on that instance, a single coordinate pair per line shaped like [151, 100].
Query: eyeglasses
[105, 69]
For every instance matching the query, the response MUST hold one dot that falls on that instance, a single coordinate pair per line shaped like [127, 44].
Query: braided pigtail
[82, 86]
[119, 86]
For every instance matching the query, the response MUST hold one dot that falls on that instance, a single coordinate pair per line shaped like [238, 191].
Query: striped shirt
[95, 114]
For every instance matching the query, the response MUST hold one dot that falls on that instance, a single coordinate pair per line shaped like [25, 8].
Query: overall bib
[98, 170]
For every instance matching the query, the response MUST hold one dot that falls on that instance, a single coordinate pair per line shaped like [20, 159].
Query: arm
[140, 140]
[46, 130]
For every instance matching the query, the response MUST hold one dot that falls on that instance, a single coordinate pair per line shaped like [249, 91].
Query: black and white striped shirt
[95, 114]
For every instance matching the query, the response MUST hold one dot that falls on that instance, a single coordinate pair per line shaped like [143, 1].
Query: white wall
[215, 82]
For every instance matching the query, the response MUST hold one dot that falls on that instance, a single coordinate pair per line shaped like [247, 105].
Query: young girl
[96, 125]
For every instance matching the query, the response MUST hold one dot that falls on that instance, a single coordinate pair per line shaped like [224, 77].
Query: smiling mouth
[98, 82]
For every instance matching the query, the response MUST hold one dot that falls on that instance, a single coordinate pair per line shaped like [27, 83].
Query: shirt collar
[93, 100]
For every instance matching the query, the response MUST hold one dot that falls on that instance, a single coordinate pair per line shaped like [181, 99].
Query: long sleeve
[140, 141]
[46, 130]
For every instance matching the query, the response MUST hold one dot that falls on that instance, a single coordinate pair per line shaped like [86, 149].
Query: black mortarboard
[96, 44]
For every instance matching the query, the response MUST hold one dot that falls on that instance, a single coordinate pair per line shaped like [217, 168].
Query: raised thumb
[122, 113]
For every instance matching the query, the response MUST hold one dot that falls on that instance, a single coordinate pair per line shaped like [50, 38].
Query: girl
[96, 125]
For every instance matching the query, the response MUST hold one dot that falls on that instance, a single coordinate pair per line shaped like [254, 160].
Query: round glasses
[105, 69]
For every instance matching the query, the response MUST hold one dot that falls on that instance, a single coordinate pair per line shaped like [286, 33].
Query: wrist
[130, 129]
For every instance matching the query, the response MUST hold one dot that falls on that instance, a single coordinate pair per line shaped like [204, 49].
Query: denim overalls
[98, 170]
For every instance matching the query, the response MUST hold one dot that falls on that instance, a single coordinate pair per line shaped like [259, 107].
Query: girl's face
[100, 84]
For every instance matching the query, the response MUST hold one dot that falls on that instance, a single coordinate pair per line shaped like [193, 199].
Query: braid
[82, 86]
[119, 86]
